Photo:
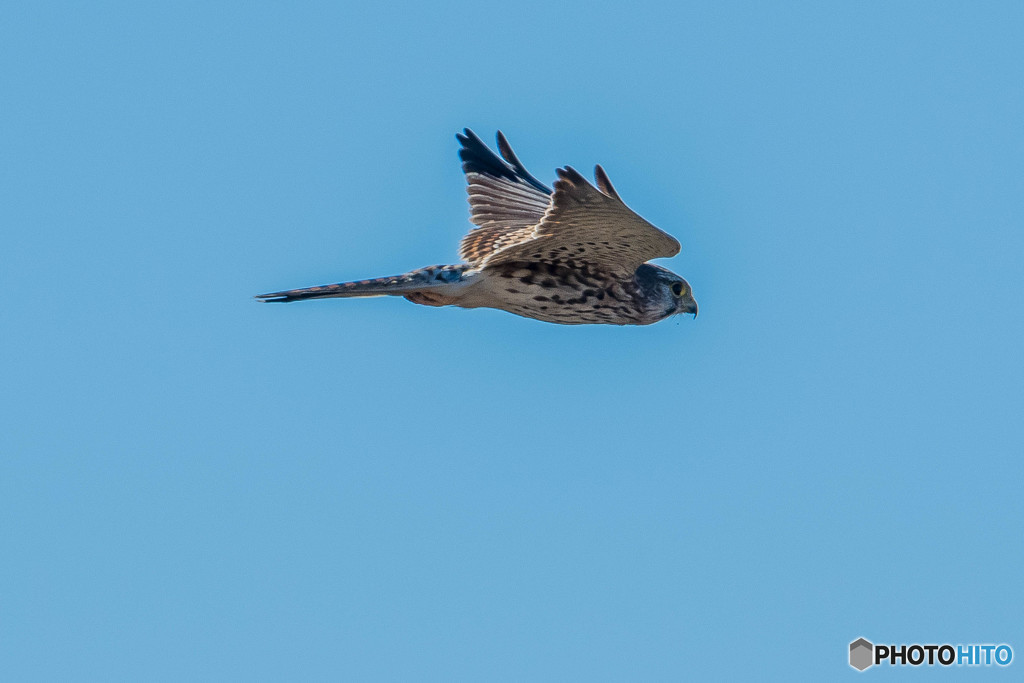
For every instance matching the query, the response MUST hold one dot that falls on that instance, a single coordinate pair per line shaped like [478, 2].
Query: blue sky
[197, 486]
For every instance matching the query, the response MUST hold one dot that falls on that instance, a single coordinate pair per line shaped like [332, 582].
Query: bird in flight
[574, 255]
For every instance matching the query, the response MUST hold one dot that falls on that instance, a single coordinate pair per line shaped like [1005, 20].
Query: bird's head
[671, 293]
[684, 301]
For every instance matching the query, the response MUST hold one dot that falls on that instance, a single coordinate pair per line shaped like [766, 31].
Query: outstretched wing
[505, 201]
[585, 224]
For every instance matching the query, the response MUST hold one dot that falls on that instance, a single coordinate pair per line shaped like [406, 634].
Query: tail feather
[434, 277]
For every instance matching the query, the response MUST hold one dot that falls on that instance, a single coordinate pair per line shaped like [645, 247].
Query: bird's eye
[677, 288]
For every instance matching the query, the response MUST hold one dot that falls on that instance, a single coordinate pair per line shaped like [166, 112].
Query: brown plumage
[573, 255]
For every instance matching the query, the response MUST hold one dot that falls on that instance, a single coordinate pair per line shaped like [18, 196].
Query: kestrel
[573, 256]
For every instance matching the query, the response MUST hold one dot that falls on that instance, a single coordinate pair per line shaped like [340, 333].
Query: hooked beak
[689, 307]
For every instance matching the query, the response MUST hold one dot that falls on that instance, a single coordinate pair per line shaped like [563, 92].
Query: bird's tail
[439, 278]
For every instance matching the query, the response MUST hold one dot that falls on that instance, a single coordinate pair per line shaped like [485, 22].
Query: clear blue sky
[197, 486]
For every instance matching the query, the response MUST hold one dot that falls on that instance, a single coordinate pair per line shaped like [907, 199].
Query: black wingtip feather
[477, 157]
[506, 150]
[510, 157]
[604, 183]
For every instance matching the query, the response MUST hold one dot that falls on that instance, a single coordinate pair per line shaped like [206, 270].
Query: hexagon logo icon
[861, 652]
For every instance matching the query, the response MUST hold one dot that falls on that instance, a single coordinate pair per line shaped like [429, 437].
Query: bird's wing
[505, 201]
[585, 224]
